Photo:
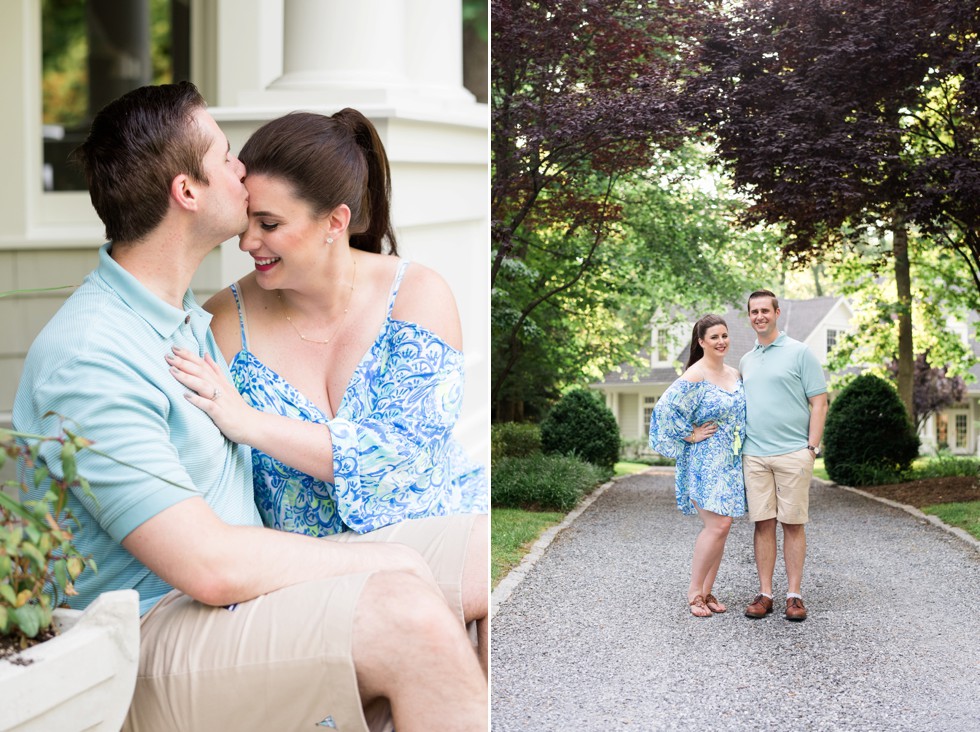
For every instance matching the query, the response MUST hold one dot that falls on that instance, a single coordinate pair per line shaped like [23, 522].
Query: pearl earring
[329, 240]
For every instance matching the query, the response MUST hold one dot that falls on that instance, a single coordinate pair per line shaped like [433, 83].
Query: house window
[942, 431]
[663, 344]
[93, 51]
[832, 335]
[961, 430]
[649, 402]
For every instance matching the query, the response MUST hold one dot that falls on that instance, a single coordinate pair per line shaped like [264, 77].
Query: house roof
[797, 318]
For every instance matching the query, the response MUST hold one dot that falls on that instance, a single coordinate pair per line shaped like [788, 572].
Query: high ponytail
[374, 221]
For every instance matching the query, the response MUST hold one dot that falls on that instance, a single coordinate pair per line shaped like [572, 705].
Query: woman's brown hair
[329, 161]
[700, 328]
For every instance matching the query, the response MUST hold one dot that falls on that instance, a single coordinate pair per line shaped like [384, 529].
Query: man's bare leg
[764, 541]
[794, 554]
[410, 649]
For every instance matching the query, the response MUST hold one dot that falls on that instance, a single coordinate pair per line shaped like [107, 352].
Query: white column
[435, 47]
[337, 52]
[337, 43]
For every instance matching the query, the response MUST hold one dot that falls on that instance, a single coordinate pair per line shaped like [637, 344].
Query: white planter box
[81, 680]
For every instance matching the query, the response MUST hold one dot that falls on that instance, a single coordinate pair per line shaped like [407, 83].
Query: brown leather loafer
[759, 607]
[795, 609]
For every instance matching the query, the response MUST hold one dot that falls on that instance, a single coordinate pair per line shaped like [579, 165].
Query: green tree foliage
[942, 295]
[583, 101]
[581, 425]
[868, 438]
[674, 248]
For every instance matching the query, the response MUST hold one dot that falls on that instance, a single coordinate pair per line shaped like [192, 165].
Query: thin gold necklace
[343, 317]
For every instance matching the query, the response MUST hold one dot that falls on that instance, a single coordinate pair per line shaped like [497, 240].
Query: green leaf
[28, 618]
[68, 468]
[35, 556]
[86, 488]
[61, 573]
[74, 566]
[3, 620]
[5, 566]
[33, 534]
[8, 594]
[40, 473]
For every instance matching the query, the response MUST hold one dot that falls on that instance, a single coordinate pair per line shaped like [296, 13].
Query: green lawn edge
[512, 533]
[964, 516]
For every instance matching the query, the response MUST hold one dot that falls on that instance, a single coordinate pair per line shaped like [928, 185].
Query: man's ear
[184, 192]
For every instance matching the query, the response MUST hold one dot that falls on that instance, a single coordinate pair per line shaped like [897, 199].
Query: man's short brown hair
[763, 293]
[137, 145]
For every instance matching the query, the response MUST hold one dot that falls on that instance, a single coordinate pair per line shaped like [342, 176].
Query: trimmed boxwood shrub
[543, 482]
[581, 425]
[514, 439]
[868, 437]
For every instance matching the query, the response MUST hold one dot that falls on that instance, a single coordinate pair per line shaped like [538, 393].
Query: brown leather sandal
[710, 600]
[698, 601]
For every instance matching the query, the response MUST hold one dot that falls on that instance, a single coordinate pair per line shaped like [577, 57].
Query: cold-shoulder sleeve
[393, 454]
[673, 418]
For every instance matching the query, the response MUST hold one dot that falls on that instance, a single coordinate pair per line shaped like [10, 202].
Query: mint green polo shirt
[100, 363]
[779, 380]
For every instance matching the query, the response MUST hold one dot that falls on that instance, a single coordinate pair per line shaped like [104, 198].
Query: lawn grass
[512, 532]
[963, 515]
[628, 468]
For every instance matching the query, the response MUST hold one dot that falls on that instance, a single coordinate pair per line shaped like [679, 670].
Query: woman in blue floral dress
[700, 421]
[346, 360]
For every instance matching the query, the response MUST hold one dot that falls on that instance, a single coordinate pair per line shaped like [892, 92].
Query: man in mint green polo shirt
[242, 627]
[786, 406]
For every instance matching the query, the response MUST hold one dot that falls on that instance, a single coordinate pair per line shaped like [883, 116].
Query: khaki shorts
[778, 486]
[281, 661]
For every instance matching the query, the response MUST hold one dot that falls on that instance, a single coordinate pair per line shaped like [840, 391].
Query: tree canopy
[841, 119]
[591, 218]
[838, 113]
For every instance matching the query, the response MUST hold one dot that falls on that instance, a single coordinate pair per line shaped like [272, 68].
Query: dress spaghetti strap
[240, 304]
[396, 283]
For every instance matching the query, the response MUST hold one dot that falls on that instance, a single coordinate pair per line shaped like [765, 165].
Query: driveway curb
[934, 520]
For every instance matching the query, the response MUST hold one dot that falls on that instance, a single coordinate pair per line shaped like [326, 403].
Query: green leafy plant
[38, 561]
[581, 425]
[869, 439]
[514, 439]
[544, 482]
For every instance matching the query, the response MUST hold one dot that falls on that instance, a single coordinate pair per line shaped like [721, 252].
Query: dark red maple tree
[860, 114]
[934, 389]
[579, 88]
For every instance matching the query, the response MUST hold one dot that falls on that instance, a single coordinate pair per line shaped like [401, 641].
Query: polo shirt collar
[780, 340]
[162, 317]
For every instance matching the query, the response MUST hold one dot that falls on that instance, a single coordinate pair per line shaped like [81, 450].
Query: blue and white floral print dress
[709, 472]
[394, 457]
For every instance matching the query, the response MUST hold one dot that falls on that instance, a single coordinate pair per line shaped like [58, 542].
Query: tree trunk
[903, 283]
[817, 270]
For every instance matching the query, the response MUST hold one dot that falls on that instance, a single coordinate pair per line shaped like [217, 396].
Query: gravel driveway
[598, 635]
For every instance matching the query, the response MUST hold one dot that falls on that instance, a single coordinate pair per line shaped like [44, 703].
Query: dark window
[93, 51]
